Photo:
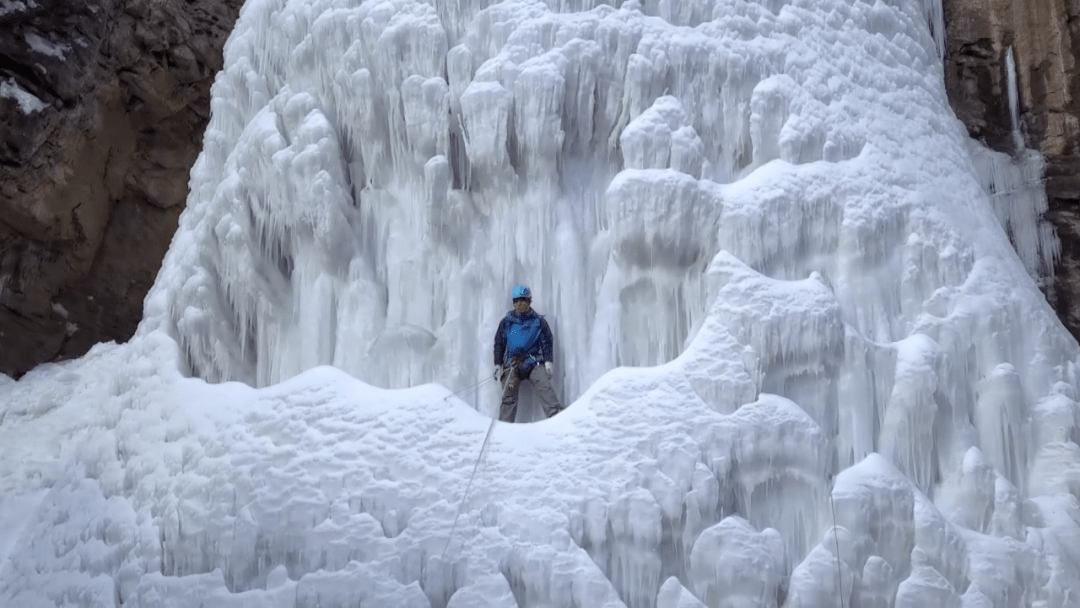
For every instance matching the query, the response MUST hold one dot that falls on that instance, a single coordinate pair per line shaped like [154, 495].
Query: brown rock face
[1045, 39]
[102, 110]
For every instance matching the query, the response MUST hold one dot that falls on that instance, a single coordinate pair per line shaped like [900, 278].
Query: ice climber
[523, 347]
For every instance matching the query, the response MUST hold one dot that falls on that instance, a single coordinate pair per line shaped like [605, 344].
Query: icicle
[934, 13]
[1014, 100]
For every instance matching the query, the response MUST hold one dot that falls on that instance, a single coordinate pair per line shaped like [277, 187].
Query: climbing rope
[466, 495]
[476, 466]
[836, 539]
[469, 389]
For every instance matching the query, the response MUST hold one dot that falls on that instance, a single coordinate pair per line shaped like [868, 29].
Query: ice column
[1014, 100]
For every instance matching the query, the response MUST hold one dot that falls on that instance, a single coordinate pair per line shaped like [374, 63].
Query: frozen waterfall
[805, 366]
[376, 177]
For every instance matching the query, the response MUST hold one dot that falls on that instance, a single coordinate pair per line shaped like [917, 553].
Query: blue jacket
[523, 335]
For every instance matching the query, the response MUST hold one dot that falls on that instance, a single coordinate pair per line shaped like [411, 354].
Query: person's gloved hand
[498, 372]
[547, 367]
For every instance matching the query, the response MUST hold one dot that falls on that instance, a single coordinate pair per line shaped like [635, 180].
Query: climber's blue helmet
[521, 291]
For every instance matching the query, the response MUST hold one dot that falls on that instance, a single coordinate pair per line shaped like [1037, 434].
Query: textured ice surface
[803, 362]
[1018, 198]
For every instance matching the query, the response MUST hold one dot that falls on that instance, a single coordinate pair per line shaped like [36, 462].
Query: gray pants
[541, 382]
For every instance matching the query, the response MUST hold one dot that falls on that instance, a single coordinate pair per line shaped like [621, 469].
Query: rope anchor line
[468, 389]
[483, 448]
[836, 540]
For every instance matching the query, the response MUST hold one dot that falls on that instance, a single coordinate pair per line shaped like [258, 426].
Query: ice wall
[808, 368]
[376, 177]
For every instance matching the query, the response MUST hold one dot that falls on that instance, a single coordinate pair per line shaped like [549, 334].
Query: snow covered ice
[804, 363]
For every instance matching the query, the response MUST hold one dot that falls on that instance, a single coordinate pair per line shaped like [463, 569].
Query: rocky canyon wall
[102, 110]
[1044, 36]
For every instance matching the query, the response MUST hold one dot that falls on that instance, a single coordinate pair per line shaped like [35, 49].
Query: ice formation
[805, 367]
[1014, 184]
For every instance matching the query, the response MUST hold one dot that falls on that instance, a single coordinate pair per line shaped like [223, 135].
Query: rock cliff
[102, 110]
[1044, 36]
